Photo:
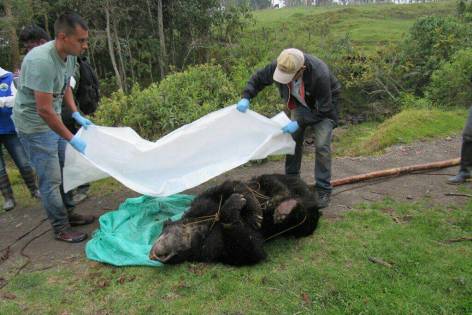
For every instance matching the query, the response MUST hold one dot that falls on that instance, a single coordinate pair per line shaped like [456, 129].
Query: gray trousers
[323, 131]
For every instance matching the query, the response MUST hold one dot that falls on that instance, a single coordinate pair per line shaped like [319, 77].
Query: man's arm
[45, 110]
[323, 95]
[259, 81]
[327, 93]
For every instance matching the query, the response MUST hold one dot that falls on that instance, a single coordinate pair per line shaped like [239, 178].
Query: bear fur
[229, 223]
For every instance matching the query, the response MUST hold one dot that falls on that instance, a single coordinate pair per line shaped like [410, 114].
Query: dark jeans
[46, 153]
[323, 131]
[467, 133]
[466, 149]
[17, 153]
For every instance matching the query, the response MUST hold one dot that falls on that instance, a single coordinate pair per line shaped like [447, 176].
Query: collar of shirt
[55, 54]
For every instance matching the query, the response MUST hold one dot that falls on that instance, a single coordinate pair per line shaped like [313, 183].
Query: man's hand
[291, 127]
[243, 105]
[78, 144]
[84, 122]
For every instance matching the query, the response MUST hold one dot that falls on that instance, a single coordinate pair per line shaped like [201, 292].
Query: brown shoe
[80, 219]
[71, 236]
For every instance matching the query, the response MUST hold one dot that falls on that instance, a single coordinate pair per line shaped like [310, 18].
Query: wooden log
[461, 195]
[460, 239]
[395, 171]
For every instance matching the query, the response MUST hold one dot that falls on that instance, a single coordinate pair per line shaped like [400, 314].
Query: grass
[404, 128]
[368, 26]
[328, 273]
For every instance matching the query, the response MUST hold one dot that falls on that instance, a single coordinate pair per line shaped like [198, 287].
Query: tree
[127, 46]
[162, 41]
[10, 23]
[107, 8]
[460, 9]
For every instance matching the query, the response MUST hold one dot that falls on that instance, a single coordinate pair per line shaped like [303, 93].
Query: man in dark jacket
[466, 153]
[311, 93]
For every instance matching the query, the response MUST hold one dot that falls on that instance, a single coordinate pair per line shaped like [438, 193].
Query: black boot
[465, 166]
[324, 198]
[7, 192]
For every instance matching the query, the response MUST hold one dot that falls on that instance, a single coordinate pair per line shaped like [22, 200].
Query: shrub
[451, 84]
[177, 100]
[431, 41]
[409, 101]
[369, 83]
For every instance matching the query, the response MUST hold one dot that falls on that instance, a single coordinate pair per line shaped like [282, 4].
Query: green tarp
[126, 235]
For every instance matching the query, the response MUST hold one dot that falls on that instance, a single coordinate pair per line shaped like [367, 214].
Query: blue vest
[6, 124]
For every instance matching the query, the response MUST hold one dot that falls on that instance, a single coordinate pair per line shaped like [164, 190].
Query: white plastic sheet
[185, 158]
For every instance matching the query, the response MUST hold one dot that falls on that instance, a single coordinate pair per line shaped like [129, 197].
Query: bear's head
[180, 241]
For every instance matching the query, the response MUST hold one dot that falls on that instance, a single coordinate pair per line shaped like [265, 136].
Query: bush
[409, 101]
[431, 40]
[177, 100]
[451, 84]
[369, 84]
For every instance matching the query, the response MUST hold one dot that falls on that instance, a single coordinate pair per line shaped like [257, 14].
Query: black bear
[229, 223]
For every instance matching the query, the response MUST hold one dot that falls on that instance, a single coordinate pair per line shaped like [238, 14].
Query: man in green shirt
[43, 85]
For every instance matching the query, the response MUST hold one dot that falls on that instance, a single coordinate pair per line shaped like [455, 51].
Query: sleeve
[9, 101]
[38, 75]
[72, 83]
[323, 95]
[262, 78]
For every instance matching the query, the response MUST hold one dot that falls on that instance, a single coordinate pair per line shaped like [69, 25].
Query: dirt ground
[45, 252]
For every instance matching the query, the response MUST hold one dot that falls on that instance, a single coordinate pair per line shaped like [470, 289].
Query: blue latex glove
[78, 144]
[84, 122]
[291, 127]
[243, 105]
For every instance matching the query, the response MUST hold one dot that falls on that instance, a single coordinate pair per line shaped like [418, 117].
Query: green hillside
[368, 26]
